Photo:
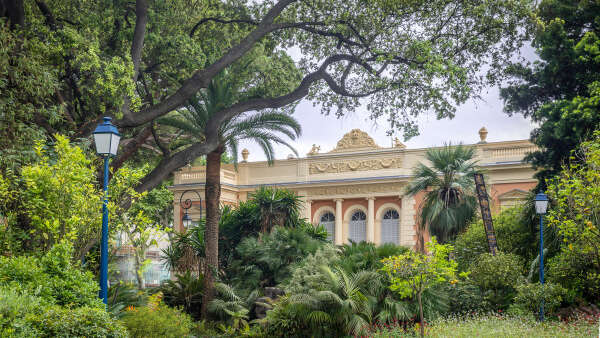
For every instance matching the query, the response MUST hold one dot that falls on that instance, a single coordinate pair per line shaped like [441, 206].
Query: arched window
[390, 227]
[358, 227]
[328, 221]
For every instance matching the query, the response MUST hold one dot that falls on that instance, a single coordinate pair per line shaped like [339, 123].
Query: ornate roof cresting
[356, 139]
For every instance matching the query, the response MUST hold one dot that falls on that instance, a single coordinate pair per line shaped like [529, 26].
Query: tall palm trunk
[211, 233]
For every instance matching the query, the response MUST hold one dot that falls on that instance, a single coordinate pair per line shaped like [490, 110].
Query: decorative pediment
[513, 194]
[355, 140]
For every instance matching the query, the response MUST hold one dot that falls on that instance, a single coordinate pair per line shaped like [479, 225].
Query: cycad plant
[277, 207]
[264, 128]
[449, 185]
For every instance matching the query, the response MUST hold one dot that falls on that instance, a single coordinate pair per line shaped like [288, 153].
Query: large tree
[558, 91]
[139, 62]
[263, 128]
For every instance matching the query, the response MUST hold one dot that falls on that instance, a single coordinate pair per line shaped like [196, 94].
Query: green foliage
[24, 314]
[307, 275]
[80, 322]
[575, 272]
[367, 256]
[157, 320]
[529, 296]
[340, 306]
[576, 215]
[465, 298]
[412, 273]
[52, 278]
[268, 259]
[449, 203]
[62, 201]
[498, 276]
[560, 91]
[122, 295]
[277, 207]
[184, 292]
[513, 235]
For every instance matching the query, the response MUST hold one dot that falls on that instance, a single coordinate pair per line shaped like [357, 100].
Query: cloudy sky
[325, 131]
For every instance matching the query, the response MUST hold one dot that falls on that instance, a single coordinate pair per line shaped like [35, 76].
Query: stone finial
[291, 157]
[483, 135]
[398, 144]
[245, 154]
[314, 150]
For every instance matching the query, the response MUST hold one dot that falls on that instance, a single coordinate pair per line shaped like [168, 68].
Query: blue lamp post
[106, 138]
[541, 205]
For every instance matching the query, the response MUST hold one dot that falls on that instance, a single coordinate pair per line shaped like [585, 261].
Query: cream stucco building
[357, 189]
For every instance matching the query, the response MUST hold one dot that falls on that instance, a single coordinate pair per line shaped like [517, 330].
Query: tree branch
[201, 78]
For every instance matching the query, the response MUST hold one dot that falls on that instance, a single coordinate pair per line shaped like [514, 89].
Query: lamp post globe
[541, 203]
[541, 206]
[106, 138]
[186, 220]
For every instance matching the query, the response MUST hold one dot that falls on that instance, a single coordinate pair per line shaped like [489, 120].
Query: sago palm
[449, 185]
[264, 128]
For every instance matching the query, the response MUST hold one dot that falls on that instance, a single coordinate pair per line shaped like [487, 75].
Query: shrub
[497, 276]
[465, 297]
[308, 275]
[513, 235]
[24, 315]
[53, 278]
[530, 294]
[574, 271]
[157, 320]
[268, 260]
[80, 322]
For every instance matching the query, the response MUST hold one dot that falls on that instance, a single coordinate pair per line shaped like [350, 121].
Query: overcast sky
[325, 131]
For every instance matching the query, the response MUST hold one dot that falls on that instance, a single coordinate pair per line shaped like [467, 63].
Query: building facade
[356, 190]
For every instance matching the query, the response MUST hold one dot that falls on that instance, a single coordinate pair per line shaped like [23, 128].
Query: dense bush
[24, 315]
[157, 320]
[53, 278]
[268, 259]
[530, 294]
[575, 272]
[465, 297]
[307, 275]
[513, 234]
[185, 291]
[498, 276]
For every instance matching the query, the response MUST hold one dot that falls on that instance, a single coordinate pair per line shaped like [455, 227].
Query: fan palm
[264, 128]
[449, 185]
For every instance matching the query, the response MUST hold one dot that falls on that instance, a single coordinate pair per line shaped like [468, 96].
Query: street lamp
[186, 220]
[106, 138]
[541, 205]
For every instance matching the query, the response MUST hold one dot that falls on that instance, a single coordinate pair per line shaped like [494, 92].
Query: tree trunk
[139, 274]
[14, 11]
[212, 191]
[421, 322]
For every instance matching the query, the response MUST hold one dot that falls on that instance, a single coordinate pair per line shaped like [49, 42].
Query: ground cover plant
[493, 326]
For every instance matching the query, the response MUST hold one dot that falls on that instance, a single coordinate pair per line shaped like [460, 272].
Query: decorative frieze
[357, 189]
[353, 165]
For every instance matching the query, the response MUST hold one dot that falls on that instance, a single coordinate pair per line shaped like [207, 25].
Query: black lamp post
[541, 205]
[186, 220]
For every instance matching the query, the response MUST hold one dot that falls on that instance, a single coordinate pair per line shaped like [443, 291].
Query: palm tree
[449, 186]
[277, 207]
[263, 127]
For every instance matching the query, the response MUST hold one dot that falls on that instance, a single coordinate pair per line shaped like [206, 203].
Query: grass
[499, 327]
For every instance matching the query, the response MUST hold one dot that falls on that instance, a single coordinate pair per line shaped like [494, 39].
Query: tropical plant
[449, 203]
[340, 306]
[123, 295]
[269, 259]
[185, 252]
[185, 292]
[262, 127]
[412, 273]
[367, 256]
[277, 207]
